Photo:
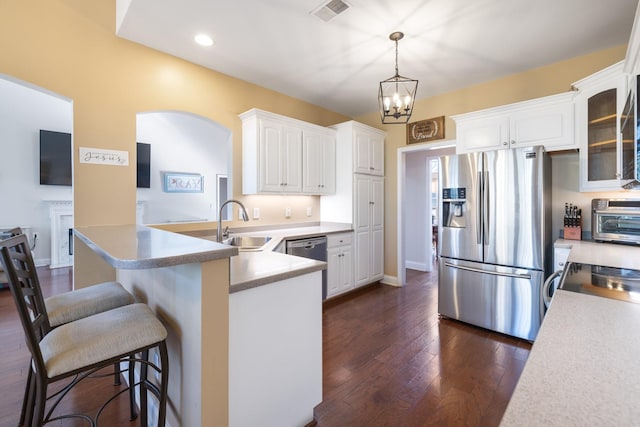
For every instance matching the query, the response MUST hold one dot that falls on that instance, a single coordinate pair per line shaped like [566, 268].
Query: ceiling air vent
[328, 11]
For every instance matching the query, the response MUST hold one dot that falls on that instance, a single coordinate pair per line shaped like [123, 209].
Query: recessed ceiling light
[203, 40]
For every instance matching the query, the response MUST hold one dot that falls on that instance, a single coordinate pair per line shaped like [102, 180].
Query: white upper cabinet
[319, 162]
[547, 121]
[599, 103]
[368, 151]
[286, 156]
[280, 168]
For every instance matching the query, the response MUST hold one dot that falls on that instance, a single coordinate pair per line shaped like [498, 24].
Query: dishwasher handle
[306, 243]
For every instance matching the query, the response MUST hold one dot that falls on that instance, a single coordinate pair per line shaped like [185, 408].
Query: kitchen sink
[247, 242]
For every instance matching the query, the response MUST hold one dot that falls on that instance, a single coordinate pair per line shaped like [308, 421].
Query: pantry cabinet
[369, 228]
[339, 263]
[359, 197]
[281, 155]
[547, 121]
[599, 103]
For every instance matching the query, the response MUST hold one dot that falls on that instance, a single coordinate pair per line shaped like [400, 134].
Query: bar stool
[69, 306]
[82, 347]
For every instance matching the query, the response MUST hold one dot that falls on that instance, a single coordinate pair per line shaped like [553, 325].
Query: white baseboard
[390, 280]
[414, 265]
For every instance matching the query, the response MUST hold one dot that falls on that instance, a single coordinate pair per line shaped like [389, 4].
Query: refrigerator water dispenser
[454, 207]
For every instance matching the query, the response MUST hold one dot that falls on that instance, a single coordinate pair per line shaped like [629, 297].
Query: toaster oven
[615, 220]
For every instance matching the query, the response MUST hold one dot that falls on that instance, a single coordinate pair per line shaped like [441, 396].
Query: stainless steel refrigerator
[494, 234]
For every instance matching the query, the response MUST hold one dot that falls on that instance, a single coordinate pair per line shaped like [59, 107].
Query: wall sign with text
[425, 130]
[100, 156]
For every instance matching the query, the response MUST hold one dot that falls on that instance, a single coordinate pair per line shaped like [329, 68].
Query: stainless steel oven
[615, 220]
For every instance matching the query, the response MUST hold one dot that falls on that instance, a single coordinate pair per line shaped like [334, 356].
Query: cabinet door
[361, 150]
[376, 202]
[368, 156]
[376, 262]
[363, 258]
[333, 271]
[346, 269]
[312, 163]
[362, 202]
[328, 165]
[271, 158]
[598, 132]
[292, 160]
[376, 147]
[318, 164]
[482, 135]
[551, 126]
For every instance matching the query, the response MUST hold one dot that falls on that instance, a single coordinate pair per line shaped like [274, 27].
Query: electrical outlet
[256, 213]
[287, 212]
[309, 211]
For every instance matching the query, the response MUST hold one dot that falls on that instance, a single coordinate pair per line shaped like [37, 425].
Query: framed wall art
[425, 130]
[178, 182]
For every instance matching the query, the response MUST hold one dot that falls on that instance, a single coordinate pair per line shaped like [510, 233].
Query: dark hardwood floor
[389, 360]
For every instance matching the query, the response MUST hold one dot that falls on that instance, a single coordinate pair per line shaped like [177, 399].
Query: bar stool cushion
[97, 338]
[69, 306]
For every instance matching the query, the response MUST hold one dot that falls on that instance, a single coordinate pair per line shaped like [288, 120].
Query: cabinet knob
[371, 168]
[512, 142]
[505, 143]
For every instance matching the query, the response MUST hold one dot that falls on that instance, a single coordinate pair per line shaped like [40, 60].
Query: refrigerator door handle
[487, 211]
[479, 210]
[493, 273]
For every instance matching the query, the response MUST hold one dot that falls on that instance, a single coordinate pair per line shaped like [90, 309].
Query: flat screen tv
[55, 158]
[143, 177]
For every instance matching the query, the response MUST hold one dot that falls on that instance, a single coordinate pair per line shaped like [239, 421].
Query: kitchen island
[583, 368]
[272, 323]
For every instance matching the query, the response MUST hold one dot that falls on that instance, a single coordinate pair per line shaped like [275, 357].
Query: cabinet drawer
[340, 239]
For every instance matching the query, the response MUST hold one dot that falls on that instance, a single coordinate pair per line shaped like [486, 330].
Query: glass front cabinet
[599, 106]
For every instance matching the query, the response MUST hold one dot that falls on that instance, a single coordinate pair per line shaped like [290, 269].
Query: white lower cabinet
[339, 263]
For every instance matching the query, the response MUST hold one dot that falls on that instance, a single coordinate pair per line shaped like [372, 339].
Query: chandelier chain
[397, 74]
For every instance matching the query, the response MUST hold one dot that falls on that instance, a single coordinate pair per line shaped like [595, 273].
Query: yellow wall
[543, 81]
[70, 47]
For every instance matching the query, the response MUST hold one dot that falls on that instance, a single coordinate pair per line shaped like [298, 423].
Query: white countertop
[606, 254]
[252, 268]
[584, 367]
[140, 247]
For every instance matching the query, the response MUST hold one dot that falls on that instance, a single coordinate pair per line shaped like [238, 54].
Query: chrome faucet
[243, 212]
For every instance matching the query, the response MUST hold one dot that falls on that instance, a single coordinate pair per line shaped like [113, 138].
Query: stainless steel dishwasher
[314, 248]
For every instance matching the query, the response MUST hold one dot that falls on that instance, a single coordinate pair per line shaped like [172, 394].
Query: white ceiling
[448, 44]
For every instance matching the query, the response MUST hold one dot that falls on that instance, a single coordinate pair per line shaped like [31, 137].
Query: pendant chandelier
[397, 93]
